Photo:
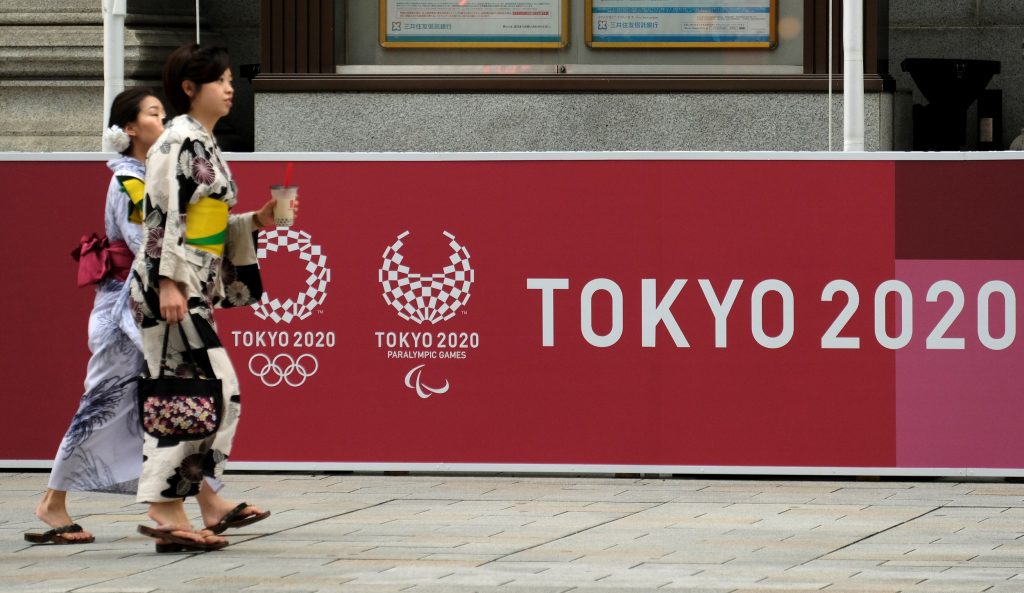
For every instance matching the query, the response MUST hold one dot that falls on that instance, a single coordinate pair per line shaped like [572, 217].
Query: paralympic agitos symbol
[413, 381]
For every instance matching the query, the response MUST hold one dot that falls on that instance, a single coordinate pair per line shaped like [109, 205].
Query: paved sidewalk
[502, 534]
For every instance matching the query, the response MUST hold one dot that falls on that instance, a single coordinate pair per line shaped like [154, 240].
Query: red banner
[670, 313]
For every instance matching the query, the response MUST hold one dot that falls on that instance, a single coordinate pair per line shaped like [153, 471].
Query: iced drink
[284, 198]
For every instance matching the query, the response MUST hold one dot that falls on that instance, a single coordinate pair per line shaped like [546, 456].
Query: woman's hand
[172, 302]
[265, 215]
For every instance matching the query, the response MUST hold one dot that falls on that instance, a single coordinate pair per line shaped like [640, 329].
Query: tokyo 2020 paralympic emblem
[304, 303]
[419, 297]
[426, 299]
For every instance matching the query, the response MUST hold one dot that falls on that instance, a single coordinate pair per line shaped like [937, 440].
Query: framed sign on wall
[682, 23]
[477, 24]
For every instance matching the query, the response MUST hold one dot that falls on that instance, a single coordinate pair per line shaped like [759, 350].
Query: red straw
[288, 174]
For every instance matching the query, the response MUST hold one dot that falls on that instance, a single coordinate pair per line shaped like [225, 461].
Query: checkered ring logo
[418, 297]
[304, 303]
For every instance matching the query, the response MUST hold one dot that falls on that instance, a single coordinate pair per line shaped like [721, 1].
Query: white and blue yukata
[102, 449]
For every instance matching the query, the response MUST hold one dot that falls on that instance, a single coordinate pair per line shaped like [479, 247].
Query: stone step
[34, 12]
[50, 115]
[77, 52]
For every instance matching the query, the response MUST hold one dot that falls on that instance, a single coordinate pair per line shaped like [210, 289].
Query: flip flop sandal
[165, 533]
[175, 549]
[56, 536]
[235, 519]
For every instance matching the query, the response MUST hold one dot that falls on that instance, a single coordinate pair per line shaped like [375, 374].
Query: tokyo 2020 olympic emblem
[419, 297]
[282, 368]
[304, 303]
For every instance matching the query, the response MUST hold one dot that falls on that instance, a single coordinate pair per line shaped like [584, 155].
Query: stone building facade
[51, 87]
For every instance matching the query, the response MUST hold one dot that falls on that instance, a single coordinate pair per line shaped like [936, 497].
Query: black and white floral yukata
[190, 237]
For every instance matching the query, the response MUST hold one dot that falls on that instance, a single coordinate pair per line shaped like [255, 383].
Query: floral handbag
[174, 408]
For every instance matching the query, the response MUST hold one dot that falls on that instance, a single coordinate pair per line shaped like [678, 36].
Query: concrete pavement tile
[62, 583]
[1005, 560]
[984, 573]
[506, 588]
[691, 588]
[579, 496]
[413, 573]
[615, 506]
[394, 553]
[642, 496]
[539, 555]
[850, 586]
[675, 570]
[33, 587]
[470, 530]
[840, 564]
[525, 569]
[788, 581]
[788, 497]
[599, 588]
[948, 587]
[632, 579]
[274, 588]
[105, 588]
[870, 551]
[503, 521]
[475, 579]
[950, 552]
[330, 549]
[492, 548]
[560, 577]
[466, 557]
[346, 565]
[701, 580]
[617, 559]
[705, 555]
[776, 588]
[352, 587]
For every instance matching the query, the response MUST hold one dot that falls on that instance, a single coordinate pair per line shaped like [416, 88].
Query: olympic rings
[278, 372]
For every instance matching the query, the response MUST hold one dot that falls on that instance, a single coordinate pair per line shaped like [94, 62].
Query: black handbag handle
[188, 351]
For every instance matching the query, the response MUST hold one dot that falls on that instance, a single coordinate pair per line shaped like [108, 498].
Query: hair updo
[200, 64]
[123, 111]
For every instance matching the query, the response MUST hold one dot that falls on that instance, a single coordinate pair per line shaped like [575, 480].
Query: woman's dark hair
[125, 108]
[200, 64]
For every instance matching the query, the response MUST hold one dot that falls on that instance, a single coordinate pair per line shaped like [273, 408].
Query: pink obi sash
[99, 258]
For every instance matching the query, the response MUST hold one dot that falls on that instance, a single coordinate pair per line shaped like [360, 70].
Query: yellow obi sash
[136, 190]
[206, 225]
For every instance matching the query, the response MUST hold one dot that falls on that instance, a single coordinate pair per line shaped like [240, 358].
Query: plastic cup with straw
[284, 199]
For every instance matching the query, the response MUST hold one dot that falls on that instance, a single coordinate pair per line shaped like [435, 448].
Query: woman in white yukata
[102, 449]
[195, 255]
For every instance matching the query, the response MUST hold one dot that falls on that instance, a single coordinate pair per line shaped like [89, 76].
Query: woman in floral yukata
[194, 256]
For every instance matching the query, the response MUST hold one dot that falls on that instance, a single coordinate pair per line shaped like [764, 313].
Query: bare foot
[173, 514]
[53, 511]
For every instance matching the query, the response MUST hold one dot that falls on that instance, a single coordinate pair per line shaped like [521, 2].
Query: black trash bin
[950, 86]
